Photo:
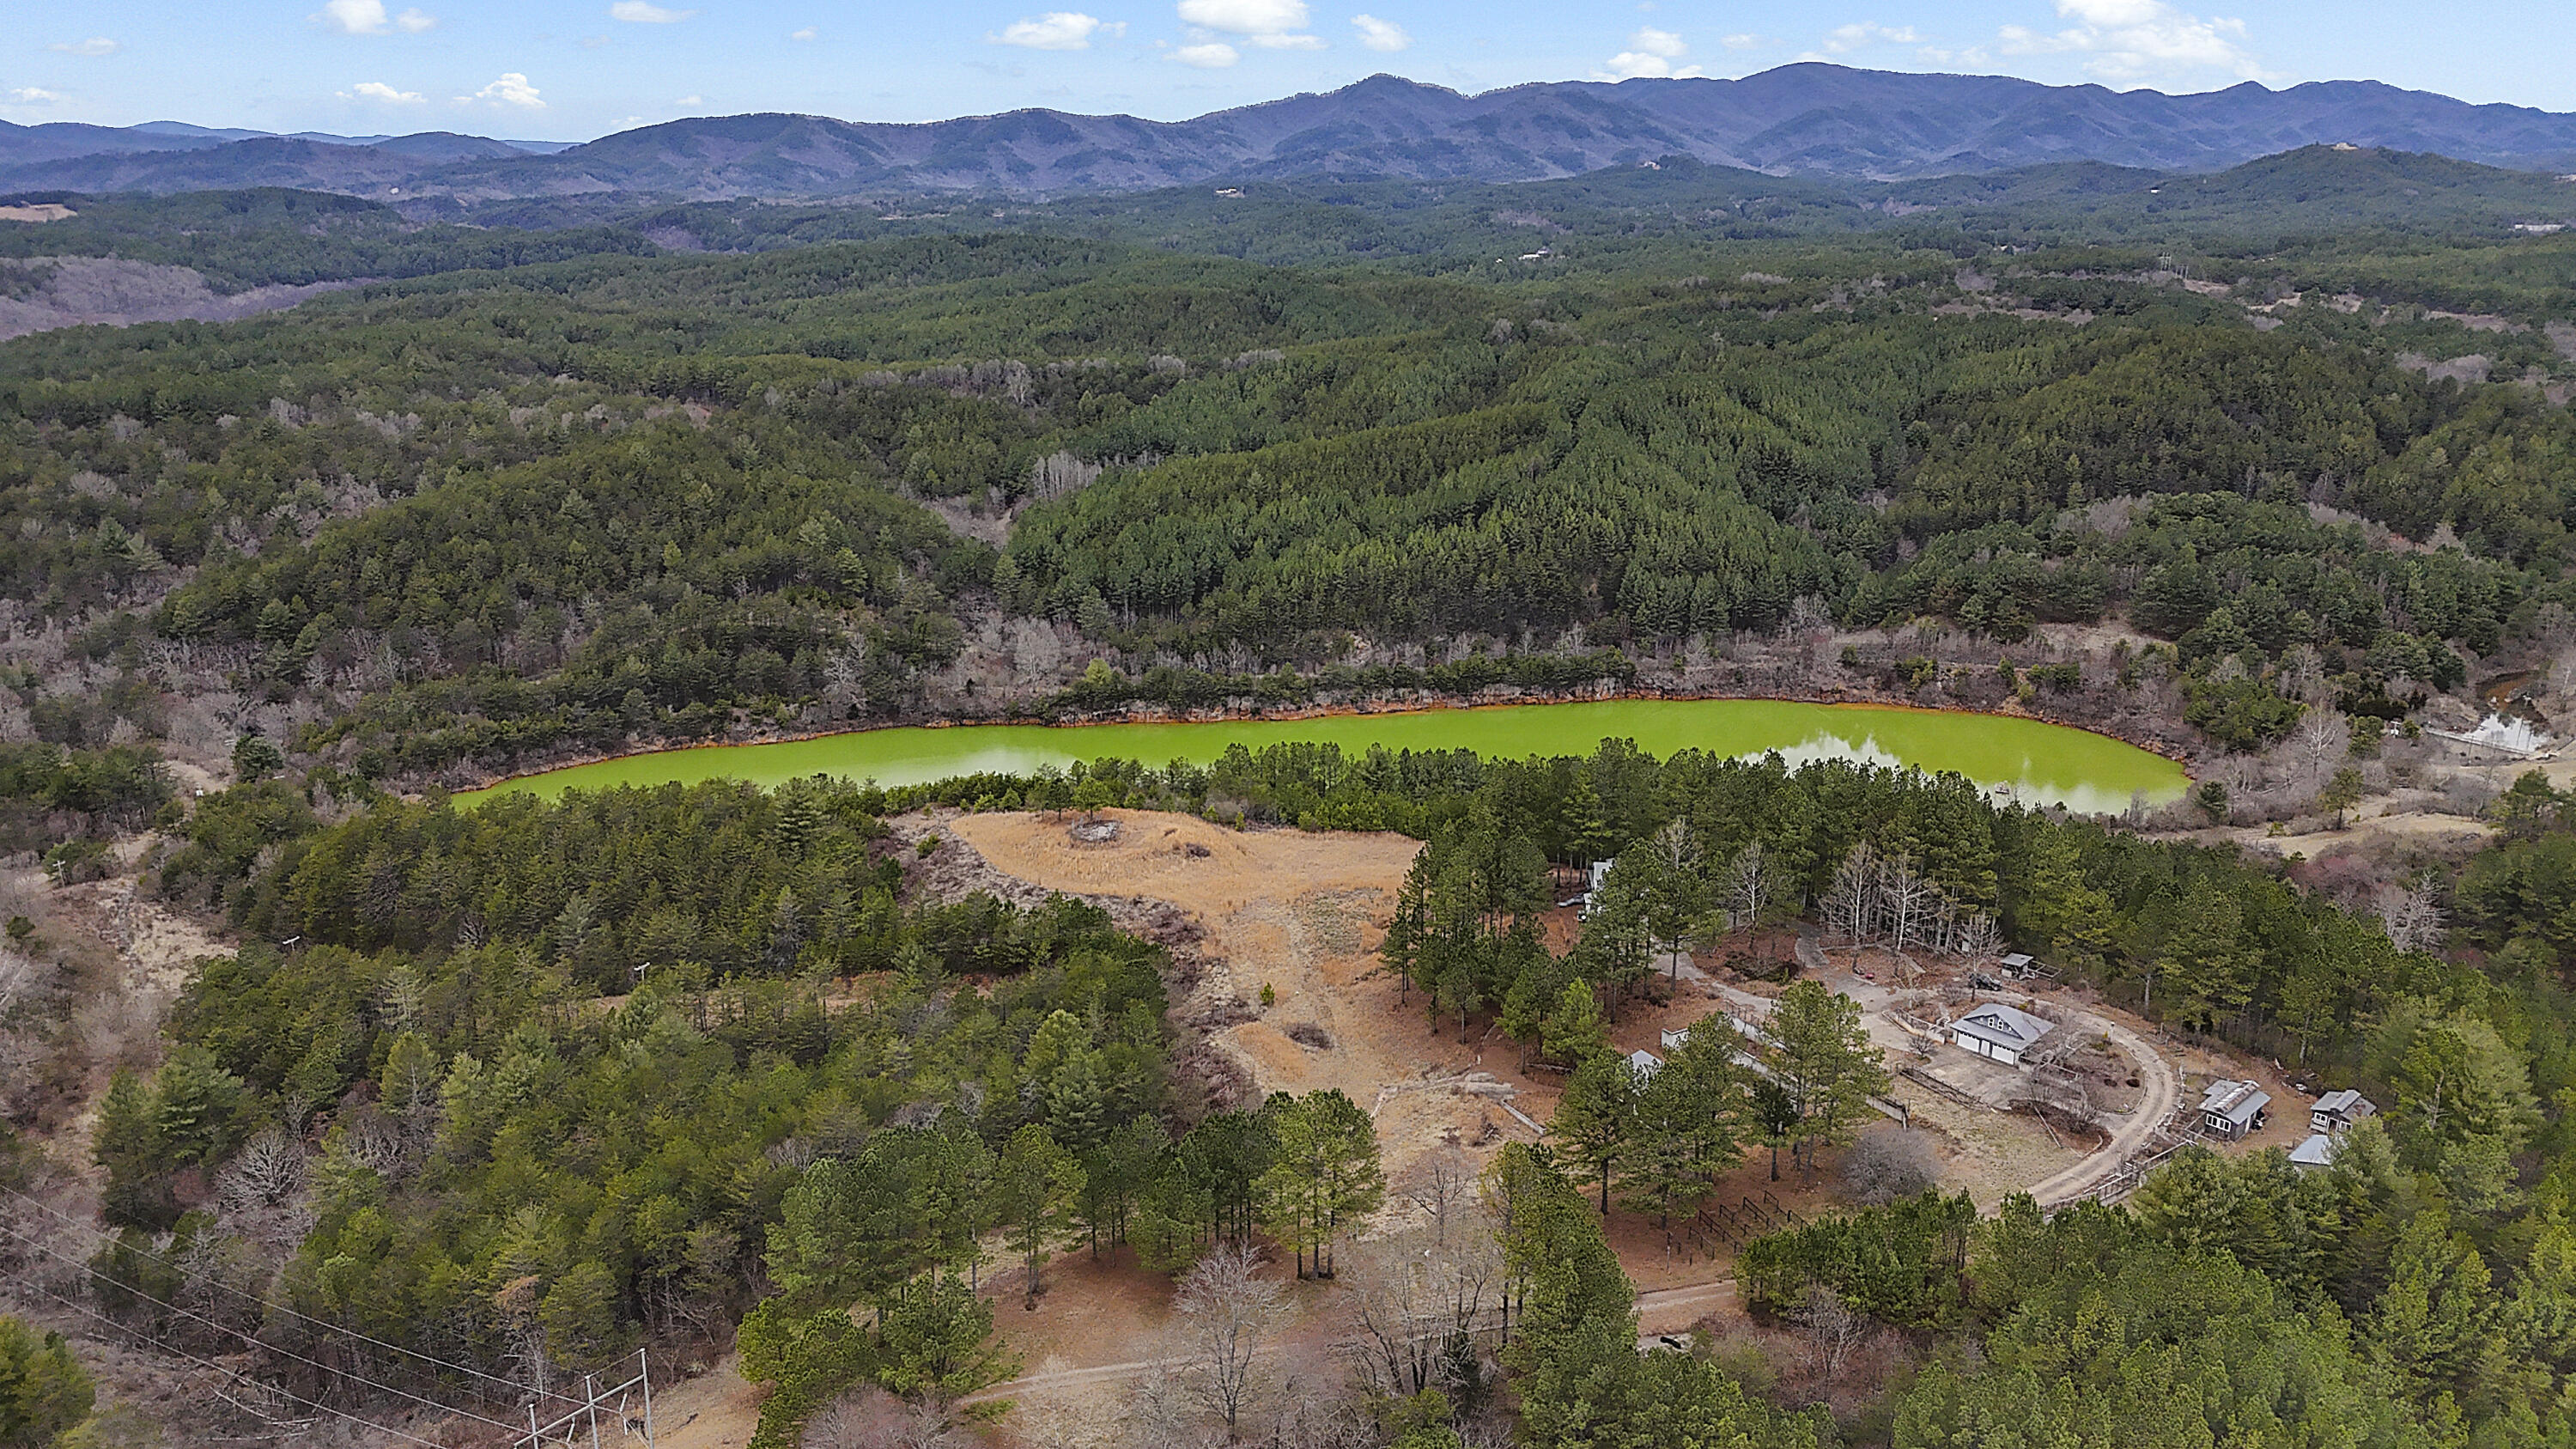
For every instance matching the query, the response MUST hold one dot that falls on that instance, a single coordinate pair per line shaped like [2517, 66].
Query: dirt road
[1666, 1310]
[2161, 1092]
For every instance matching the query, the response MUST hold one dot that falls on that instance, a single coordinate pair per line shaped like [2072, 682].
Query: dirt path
[1674, 1310]
[2161, 1092]
[1662, 1311]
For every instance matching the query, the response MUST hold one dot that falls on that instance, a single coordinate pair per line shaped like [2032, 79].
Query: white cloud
[2113, 12]
[368, 17]
[808, 33]
[1055, 30]
[690, 101]
[1740, 42]
[645, 12]
[379, 91]
[1270, 24]
[1843, 39]
[1663, 43]
[512, 89]
[1246, 17]
[32, 96]
[2133, 40]
[1650, 54]
[1208, 55]
[352, 17]
[1379, 34]
[95, 45]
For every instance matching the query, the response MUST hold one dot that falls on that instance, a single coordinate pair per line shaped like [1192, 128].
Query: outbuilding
[2003, 1033]
[1643, 1064]
[2336, 1111]
[2232, 1109]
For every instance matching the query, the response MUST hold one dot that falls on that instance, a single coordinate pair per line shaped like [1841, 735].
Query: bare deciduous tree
[1439, 1186]
[1833, 1329]
[871, 1418]
[2412, 915]
[17, 976]
[1226, 1310]
[1889, 1164]
[1059, 474]
[1849, 905]
[1753, 885]
[1421, 1303]
[1979, 939]
[1907, 902]
[1158, 1409]
[2322, 739]
[259, 1191]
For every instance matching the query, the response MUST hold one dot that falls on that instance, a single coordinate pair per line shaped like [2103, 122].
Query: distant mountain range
[71, 140]
[1807, 119]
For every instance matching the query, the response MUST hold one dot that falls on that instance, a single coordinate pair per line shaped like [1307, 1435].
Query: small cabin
[2232, 1110]
[1674, 1036]
[1998, 1032]
[1643, 1064]
[2335, 1112]
[2018, 964]
[2314, 1155]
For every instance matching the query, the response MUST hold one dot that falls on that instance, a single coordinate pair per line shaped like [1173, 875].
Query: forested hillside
[463, 1101]
[1204, 465]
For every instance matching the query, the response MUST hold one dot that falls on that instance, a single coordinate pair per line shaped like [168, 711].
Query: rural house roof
[2317, 1151]
[2003, 1025]
[2234, 1102]
[2346, 1103]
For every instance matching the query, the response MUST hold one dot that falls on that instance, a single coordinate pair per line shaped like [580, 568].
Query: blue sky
[574, 69]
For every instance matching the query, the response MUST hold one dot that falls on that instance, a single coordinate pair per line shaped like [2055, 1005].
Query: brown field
[1301, 914]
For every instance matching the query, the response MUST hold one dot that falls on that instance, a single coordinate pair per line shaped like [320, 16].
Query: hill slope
[1801, 119]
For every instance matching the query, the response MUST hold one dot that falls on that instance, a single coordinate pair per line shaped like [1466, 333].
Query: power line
[246, 1338]
[513, 1384]
[232, 1374]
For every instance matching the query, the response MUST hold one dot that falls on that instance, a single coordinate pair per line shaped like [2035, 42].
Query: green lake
[2037, 763]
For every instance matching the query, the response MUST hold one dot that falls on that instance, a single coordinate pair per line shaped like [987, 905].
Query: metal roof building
[2232, 1109]
[2001, 1032]
[2337, 1111]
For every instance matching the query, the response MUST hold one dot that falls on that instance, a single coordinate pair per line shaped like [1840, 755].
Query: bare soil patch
[1300, 914]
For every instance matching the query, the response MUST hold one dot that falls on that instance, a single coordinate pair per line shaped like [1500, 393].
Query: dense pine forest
[468, 1101]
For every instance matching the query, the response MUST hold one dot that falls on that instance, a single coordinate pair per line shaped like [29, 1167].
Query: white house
[1643, 1064]
[2336, 1112]
[2004, 1033]
[2233, 1109]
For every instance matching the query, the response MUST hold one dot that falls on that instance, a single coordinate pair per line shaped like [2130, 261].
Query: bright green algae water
[2039, 763]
